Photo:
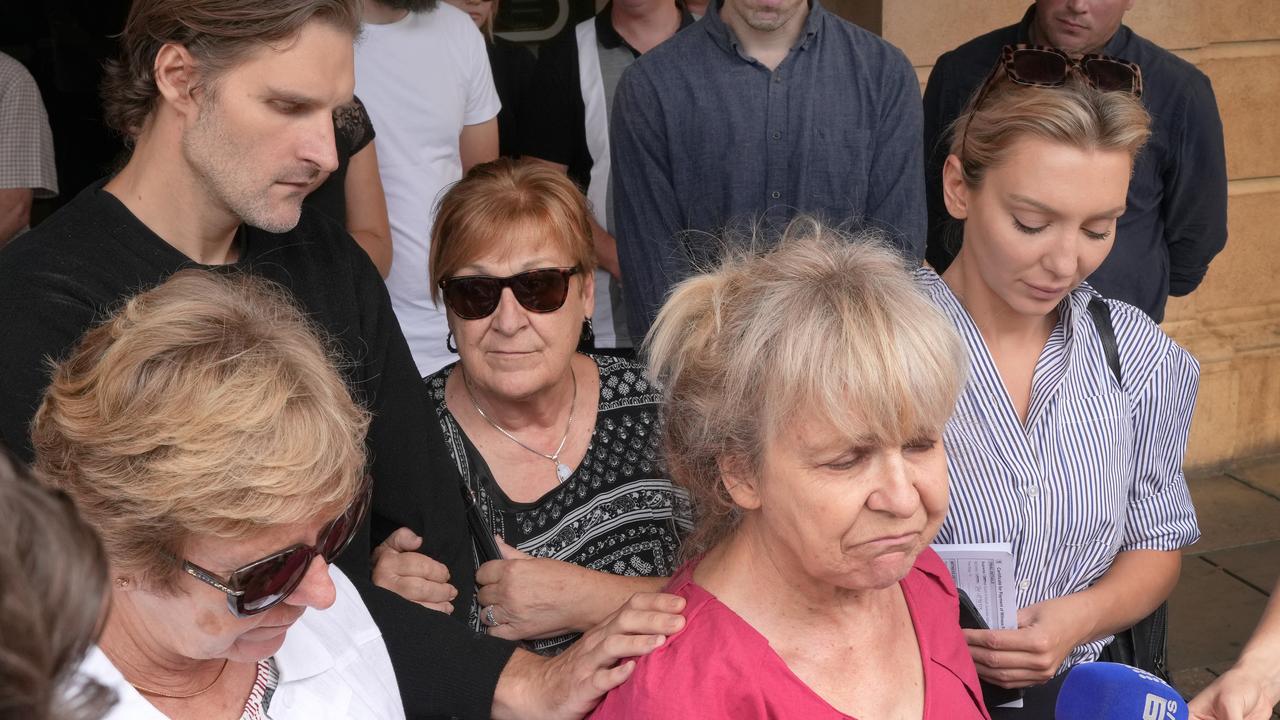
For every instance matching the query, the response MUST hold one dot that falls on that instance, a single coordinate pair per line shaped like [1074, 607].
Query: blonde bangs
[825, 324]
[869, 364]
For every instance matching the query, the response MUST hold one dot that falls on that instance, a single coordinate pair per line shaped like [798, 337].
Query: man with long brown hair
[227, 106]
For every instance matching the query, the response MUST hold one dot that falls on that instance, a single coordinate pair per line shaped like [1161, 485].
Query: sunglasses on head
[1050, 67]
[263, 584]
[472, 297]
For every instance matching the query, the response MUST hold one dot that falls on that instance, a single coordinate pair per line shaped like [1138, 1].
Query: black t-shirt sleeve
[442, 667]
[352, 132]
[551, 118]
[352, 129]
[45, 312]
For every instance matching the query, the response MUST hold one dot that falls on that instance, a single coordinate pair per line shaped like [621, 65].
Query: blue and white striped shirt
[1095, 471]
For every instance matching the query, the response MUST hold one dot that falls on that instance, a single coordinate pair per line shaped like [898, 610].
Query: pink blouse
[718, 666]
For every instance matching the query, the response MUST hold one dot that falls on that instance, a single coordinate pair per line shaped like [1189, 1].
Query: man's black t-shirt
[85, 260]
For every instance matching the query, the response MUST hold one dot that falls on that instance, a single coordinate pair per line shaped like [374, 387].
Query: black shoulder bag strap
[1101, 314]
[1146, 644]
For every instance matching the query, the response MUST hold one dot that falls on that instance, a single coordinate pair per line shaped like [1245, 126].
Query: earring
[587, 339]
[449, 344]
[122, 582]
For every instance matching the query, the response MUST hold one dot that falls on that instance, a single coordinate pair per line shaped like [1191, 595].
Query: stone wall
[1232, 323]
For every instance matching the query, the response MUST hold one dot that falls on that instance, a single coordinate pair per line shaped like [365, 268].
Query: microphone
[1111, 691]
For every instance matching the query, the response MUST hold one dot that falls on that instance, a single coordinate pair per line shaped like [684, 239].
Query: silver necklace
[562, 471]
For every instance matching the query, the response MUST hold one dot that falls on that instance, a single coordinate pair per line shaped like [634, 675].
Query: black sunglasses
[1050, 67]
[263, 584]
[472, 297]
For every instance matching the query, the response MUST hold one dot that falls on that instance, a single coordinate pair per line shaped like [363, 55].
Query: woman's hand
[1032, 654]
[525, 597]
[1138, 581]
[412, 575]
[1240, 694]
[569, 685]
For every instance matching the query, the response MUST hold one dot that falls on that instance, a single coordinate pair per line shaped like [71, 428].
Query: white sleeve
[482, 96]
[372, 674]
[1162, 379]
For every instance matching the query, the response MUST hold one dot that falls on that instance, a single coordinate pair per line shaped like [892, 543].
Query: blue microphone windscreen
[1111, 691]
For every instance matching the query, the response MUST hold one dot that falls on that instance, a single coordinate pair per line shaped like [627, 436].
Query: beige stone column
[1232, 322]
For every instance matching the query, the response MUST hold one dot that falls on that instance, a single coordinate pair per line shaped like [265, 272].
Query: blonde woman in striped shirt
[1071, 453]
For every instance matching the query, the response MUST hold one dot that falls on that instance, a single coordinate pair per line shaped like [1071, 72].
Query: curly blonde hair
[208, 406]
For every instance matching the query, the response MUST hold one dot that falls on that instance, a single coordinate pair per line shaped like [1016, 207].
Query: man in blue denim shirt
[763, 109]
[1176, 220]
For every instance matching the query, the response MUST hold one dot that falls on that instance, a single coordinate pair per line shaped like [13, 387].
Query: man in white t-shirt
[423, 74]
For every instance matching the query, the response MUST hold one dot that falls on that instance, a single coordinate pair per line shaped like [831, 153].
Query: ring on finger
[488, 615]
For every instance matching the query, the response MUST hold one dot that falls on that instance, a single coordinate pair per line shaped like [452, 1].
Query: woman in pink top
[806, 390]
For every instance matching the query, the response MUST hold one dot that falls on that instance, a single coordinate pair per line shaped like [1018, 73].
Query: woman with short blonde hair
[805, 390]
[205, 433]
[742, 349]
[205, 407]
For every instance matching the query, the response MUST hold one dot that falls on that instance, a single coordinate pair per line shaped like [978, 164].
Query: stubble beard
[225, 170]
[754, 21]
[762, 26]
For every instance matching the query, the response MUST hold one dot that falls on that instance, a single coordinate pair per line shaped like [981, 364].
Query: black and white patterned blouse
[617, 512]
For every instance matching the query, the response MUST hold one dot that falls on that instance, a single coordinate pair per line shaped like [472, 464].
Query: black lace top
[352, 131]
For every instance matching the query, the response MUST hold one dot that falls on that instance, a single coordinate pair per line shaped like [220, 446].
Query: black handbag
[1145, 645]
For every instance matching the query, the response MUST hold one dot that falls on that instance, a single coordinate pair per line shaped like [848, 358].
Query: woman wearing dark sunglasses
[1068, 439]
[204, 433]
[558, 450]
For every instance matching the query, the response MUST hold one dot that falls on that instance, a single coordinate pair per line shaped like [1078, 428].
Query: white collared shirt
[333, 664]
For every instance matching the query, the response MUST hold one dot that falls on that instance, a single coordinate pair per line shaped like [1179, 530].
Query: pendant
[563, 471]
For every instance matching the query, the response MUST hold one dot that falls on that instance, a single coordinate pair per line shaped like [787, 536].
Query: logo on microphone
[1159, 708]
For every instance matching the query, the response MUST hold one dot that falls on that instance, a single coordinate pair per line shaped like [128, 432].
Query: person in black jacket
[512, 66]
[230, 127]
[1177, 206]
